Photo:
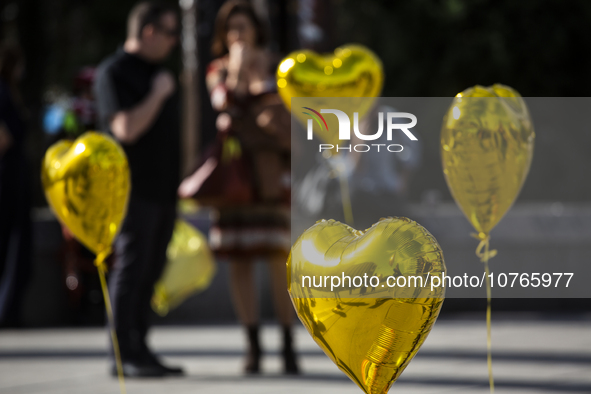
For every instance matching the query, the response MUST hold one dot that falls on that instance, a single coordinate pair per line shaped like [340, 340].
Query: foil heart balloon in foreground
[352, 71]
[86, 182]
[487, 144]
[371, 332]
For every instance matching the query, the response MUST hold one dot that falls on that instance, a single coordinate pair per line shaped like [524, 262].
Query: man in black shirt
[137, 104]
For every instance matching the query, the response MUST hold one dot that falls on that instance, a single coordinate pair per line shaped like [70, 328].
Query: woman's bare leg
[283, 306]
[244, 294]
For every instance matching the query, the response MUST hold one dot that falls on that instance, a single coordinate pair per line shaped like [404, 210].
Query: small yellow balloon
[370, 333]
[487, 144]
[86, 183]
[352, 71]
[190, 268]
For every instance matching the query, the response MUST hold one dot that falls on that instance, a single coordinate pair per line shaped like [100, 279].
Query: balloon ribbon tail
[102, 269]
[346, 199]
[484, 257]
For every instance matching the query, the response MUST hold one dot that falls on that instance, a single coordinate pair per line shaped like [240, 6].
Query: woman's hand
[191, 184]
[248, 70]
[238, 53]
[259, 73]
[223, 122]
[237, 79]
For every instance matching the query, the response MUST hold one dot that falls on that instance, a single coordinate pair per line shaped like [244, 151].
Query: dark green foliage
[438, 48]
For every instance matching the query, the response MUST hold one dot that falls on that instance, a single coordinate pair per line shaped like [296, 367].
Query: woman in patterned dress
[242, 89]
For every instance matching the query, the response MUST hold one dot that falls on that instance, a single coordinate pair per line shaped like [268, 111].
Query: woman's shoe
[253, 358]
[290, 365]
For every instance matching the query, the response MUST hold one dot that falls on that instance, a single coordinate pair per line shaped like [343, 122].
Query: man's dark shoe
[168, 370]
[138, 370]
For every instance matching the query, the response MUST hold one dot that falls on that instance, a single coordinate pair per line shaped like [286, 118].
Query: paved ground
[530, 356]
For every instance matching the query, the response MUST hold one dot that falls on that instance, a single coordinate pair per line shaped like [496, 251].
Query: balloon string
[491, 381]
[484, 257]
[102, 269]
[346, 199]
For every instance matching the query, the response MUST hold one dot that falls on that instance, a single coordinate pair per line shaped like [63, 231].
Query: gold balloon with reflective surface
[487, 144]
[190, 268]
[371, 333]
[86, 183]
[351, 71]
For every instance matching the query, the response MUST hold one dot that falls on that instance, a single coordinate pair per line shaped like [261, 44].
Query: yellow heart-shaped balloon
[352, 71]
[189, 270]
[487, 144]
[86, 182]
[370, 332]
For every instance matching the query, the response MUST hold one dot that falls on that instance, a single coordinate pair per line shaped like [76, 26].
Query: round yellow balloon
[370, 333]
[189, 270]
[351, 71]
[86, 183]
[487, 144]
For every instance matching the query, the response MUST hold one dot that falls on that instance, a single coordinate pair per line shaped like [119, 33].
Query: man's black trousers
[140, 256]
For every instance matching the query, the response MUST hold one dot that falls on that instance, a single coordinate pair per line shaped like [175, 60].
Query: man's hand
[163, 85]
[128, 126]
[5, 139]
